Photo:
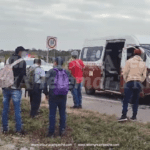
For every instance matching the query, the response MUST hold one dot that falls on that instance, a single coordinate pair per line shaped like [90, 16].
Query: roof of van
[130, 39]
[116, 37]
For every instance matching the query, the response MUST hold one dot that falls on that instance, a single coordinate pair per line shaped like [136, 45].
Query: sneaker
[5, 132]
[74, 107]
[34, 117]
[133, 118]
[50, 135]
[123, 118]
[80, 106]
[22, 132]
[62, 133]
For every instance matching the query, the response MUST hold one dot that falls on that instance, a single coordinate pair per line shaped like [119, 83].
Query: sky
[28, 22]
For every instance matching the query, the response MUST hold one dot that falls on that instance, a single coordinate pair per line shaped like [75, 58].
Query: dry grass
[83, 127]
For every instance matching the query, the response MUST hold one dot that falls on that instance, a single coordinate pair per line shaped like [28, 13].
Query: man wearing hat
[134, 73]
[76, 67]
[14, 92]
[57, 100]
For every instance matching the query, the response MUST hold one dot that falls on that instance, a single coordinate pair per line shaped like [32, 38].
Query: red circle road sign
[52, 42]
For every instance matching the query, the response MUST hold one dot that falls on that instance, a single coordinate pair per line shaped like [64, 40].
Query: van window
[91, 53]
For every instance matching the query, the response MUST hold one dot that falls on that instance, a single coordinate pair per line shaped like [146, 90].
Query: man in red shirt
[76, 67]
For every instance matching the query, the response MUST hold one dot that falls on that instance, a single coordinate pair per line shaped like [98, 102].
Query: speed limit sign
[51, 42]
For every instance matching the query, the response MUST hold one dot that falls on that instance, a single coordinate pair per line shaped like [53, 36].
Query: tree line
[42, 54]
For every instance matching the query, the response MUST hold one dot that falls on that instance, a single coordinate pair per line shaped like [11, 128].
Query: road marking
[99, 99]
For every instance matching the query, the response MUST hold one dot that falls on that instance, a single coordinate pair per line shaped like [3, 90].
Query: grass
[83, 127]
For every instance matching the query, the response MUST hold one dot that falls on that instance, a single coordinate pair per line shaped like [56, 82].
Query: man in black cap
[14, 92]
[55, 99]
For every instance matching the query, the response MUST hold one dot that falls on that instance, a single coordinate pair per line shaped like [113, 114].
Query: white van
[104, 60]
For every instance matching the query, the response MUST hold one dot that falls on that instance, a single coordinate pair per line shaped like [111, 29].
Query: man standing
[76, 67]
[59, 82]
[35, 93]
[14, 92]
[134, 74]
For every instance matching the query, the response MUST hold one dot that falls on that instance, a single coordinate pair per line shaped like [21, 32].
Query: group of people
[55, 84]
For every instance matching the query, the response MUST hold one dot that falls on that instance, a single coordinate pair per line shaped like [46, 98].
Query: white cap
[74, 53]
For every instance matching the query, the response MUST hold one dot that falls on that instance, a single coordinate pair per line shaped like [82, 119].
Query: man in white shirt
[35, 93]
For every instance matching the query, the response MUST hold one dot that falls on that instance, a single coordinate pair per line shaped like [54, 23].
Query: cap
[74, 53]
[20, 48]
[137, 51]
[59, 61]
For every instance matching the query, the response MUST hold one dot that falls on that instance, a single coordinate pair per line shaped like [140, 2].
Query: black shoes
[133, 118]
[74, 107]
[123, 118]
[62, 133]
[22, 132]
[80, 106]
[50, 135]
[5, 132]
[77, 107]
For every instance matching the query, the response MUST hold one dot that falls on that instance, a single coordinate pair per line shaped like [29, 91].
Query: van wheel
[90, 91]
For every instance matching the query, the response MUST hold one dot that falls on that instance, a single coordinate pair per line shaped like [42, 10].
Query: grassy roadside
[83, 127]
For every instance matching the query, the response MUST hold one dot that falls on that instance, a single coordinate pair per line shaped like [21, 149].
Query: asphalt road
[109, 104]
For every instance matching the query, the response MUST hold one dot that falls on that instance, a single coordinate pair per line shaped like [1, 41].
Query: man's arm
[70, 66]
[82, 64]
[45, 90]
[71, 80]
[49, 77]
[144, 74]
[21, 72]
[126, 71]
[42, 78]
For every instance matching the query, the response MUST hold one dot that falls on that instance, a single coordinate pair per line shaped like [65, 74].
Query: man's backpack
[30, 78]
[61, 82]
[7, 75]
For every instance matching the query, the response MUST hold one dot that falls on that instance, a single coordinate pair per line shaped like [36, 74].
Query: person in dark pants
[57, 100]
[35, 93]
[134, 74]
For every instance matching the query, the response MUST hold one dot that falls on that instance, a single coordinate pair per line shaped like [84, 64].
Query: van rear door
[112, 61]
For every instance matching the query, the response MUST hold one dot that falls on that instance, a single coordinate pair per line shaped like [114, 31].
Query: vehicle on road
[29, 62]
[104, 61]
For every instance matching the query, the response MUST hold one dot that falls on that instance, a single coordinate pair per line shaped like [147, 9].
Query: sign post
[51, 43]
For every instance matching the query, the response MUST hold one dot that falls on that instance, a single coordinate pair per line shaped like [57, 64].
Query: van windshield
[91, 53]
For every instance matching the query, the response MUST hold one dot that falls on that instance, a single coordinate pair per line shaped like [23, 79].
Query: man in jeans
[14, 92]
[134, 74]
[76, 67]
[56, 100]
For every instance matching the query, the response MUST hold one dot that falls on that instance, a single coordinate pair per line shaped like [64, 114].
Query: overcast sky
[29, 22]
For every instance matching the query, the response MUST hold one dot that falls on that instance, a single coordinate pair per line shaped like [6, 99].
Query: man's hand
[47, 97]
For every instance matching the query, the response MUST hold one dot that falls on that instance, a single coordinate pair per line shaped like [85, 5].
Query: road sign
[51, 42]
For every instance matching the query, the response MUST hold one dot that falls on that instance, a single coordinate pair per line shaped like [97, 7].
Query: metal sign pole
[54, 53]
[47, 55]
[51, 44]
